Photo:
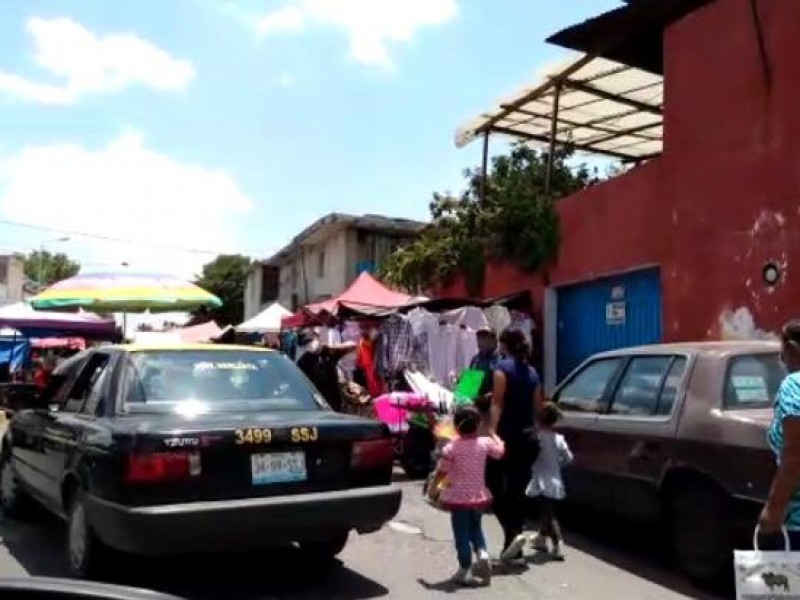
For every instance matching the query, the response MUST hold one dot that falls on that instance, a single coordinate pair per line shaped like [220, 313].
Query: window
[321, 264]
[94, 398]
[672, 384]
[586, 390]
[639, 390]
[216, 380]
[85, 384]
[752, 381]
[269, 284]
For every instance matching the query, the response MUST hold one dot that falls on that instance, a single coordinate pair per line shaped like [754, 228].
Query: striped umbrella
[124, 292]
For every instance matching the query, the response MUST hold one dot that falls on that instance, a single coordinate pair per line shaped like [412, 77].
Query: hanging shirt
[466, 350]
[469, 316]
[395, 344]
[499, 318]
[443, 349]
[522, 322]
[365, 360]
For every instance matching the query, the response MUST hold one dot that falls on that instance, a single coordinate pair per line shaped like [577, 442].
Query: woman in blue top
[782, 508]
[516, 399]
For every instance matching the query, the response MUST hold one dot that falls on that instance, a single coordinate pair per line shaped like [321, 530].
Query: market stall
[267, 321]
[44, 324]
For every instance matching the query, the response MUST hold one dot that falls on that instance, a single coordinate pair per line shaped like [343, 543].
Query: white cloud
[287, 18]
[87, 63]
[123, 190]
[370, 25]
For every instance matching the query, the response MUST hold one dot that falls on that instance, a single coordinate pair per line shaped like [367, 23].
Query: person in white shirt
[546, 483]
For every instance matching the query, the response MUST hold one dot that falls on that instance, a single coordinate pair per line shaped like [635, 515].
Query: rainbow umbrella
[124, 292]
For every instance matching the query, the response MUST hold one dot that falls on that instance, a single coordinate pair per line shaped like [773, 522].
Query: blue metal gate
[606, 314]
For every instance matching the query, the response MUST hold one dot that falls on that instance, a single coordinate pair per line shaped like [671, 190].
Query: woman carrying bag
[774, 566]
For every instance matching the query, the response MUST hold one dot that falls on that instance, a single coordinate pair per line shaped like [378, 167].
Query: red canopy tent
[364, 293]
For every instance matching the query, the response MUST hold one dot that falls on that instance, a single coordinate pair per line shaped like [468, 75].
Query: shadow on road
[632, 548]
[276, 573]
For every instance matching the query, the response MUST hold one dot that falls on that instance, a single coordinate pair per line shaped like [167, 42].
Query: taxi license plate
[278, 467]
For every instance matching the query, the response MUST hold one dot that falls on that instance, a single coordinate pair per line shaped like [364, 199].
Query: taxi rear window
[219, 379]
[752, 381]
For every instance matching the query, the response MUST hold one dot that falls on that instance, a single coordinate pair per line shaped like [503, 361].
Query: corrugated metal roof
[632, 34]
[605, 108]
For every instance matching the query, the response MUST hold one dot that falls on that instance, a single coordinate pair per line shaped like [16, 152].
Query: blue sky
[229, 125]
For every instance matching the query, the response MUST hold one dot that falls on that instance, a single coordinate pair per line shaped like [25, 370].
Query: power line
[108, 238]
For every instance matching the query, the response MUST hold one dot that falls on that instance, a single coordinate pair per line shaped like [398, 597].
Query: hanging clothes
[523, 322]
[395, 345]
[499, 318]
[366, 364]
[423, 323]
[443, 349]
[468, 316]
[467, 348]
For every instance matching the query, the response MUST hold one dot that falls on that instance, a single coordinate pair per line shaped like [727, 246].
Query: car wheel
[13, 500]
[324, 551]
[700, 529]
[86, 554]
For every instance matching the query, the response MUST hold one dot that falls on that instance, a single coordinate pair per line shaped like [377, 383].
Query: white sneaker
[483, 568]
[514, 550]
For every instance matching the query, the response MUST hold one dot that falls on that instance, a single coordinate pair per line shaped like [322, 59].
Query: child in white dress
[546, 483]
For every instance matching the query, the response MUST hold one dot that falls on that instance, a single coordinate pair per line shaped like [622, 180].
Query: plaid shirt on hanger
[395, 346]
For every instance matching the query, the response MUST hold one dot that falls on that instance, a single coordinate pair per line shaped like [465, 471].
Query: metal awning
[593, 104]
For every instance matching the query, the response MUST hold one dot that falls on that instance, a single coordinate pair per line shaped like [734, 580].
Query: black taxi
[159, 450]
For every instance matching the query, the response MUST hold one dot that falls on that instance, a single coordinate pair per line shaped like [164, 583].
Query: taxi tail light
[162, 466]
[373, 453]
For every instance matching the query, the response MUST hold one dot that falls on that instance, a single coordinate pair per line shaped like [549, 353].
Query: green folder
[469, 386]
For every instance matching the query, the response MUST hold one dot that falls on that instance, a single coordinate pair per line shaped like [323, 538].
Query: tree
[46, 268]
[515, 221]
[225, 277]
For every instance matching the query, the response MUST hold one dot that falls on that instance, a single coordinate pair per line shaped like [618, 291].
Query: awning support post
[485, 167]
[553, 133]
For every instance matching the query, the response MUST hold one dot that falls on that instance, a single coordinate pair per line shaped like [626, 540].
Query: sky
[159, 133]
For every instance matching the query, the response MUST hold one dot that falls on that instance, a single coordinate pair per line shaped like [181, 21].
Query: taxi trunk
[226, 456]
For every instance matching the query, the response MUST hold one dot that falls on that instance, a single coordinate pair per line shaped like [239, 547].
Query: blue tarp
[17, 352]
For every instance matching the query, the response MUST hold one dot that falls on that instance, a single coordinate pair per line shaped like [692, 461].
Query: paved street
[410, 559]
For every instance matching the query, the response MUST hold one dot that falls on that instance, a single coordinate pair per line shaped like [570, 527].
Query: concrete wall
[722, 201]
[307, 282]
[11, 286]
[252, 293]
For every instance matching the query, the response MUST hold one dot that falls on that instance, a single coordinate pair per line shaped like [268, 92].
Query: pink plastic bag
[393, 409]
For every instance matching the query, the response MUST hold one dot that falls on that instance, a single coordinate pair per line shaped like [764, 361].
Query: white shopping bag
[763, 575]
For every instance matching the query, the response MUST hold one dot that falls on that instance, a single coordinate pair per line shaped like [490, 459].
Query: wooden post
[553, 133]
[485, 167]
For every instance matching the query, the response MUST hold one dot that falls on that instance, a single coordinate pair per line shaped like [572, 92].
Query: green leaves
[515, 221]
[226, 277]
[46, 268]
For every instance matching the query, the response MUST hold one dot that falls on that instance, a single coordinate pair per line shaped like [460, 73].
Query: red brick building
[687, 245]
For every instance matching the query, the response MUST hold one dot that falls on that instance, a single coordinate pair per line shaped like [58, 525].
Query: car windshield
[752, 381]
[214, 380]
